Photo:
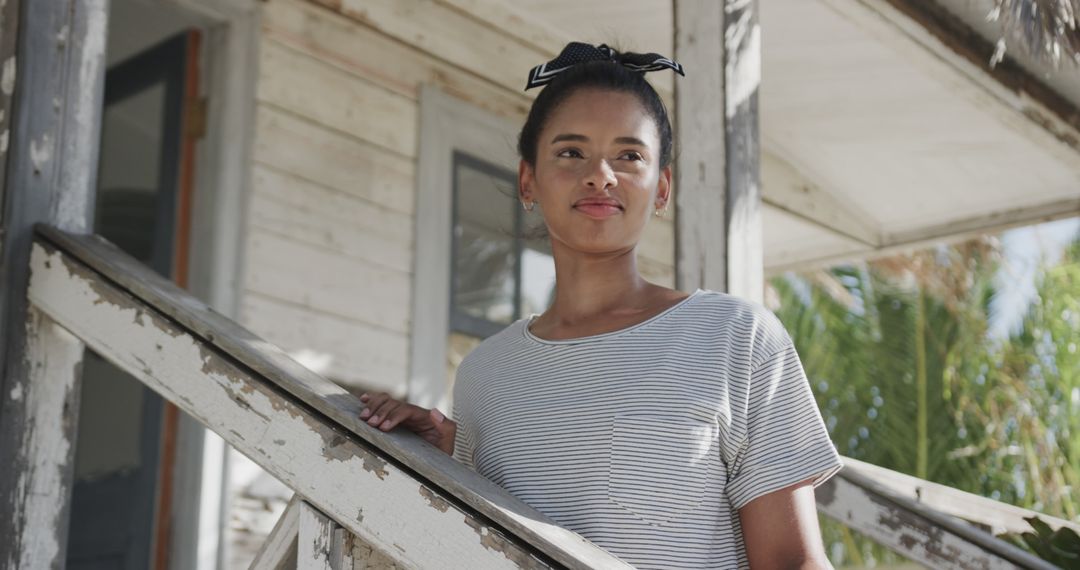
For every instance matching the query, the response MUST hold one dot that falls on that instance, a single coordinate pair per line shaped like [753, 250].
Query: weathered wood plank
[788, 189]
[325, 545]
[944, 47]
[951, 39]
[718, 198]
[448, 35]
[308, 87]
[332, 468]
[700, 157]
[45, 466]
[994, 515]
[742, 81]
[915, 531]
[955, 231]
[9, 35]
[342, 555]
[322, 430]
[361, 51]
[279, 550]
[54, 83]
[292, 144]
[323, 281]
[330, 219]
[315, 540]
[549, 39]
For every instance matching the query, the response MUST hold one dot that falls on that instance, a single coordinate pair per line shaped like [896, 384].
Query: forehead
[600, 113]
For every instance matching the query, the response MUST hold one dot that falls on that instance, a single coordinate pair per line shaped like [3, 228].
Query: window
[497, 275]
[475, 270]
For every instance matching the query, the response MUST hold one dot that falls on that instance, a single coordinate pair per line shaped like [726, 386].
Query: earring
[660, 213]
[528, 207]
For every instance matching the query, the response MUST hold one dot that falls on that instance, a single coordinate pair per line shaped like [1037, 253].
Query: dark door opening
[121, 505]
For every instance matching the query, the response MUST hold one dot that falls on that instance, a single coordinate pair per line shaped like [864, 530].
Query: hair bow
[577, 53]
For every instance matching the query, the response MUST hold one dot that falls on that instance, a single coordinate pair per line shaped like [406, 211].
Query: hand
[385, 413]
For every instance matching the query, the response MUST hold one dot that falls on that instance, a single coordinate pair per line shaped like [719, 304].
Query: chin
[596, 238]
[599, 244]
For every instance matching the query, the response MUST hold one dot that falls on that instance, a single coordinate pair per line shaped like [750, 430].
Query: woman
[673, 430]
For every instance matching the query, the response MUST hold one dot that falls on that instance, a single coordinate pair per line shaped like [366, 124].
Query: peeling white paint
[52, 357]
[4, 141]
[7, 77]
[62, 36]
[40, 152]
[82, 136]
[885, 523]
[331, 471]
[744, 64]
[17, 392]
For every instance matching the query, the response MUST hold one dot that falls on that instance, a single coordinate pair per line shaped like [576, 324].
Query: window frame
[459, 320]
[447, 125]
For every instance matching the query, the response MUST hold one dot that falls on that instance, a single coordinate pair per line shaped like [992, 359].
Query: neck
[594, 285]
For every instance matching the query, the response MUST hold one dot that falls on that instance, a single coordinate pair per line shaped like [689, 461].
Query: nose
[600, 175]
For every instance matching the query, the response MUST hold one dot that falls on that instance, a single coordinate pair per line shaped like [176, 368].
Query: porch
[324, 160]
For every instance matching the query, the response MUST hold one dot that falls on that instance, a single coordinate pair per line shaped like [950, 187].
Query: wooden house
[338, 178]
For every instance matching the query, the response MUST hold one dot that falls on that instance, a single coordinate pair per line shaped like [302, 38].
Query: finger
[372, 401]
[382, 411]
[396, 417]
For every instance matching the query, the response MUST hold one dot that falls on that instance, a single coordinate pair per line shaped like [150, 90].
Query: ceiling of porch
[875, 137]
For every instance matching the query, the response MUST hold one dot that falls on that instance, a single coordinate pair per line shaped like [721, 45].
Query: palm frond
[1047, 30]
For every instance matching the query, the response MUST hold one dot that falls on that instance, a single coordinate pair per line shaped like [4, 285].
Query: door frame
[229, 62]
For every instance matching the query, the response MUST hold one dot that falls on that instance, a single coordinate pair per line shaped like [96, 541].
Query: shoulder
[499, 347]
[748, 323]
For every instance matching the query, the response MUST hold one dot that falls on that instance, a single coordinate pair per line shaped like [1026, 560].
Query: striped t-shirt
[646, 440]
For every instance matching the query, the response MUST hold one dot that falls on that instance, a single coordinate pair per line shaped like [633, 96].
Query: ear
[526, 182]
[663, 188]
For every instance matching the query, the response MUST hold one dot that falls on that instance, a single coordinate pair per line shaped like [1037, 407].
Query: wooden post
[57, 77]
[48, 398]
[717, 190]
[9, 28]
[314, 540]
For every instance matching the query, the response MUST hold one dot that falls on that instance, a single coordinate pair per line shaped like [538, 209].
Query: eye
[569, 153]
[632, 155]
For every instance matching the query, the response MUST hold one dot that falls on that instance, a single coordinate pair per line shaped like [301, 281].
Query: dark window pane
[485, 248]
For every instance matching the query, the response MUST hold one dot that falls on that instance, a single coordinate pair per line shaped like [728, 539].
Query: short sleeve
[786, 441]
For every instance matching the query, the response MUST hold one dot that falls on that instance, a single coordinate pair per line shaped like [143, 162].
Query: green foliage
[906, 377]
[1060, 547]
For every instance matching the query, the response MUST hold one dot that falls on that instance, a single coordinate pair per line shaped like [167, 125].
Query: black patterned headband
[577, 53]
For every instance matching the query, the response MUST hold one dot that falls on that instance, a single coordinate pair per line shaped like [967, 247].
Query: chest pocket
[660, 466]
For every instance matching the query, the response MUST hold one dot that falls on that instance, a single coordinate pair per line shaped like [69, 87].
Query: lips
[598, 207]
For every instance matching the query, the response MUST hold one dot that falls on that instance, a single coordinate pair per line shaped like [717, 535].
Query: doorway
[121, 503]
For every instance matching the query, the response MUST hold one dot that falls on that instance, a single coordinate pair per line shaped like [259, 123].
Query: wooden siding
[329, 242]
[330, 238]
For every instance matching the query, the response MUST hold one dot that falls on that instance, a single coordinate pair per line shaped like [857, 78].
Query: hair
[602, 74]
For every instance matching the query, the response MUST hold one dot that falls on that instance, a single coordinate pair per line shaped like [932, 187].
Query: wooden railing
[362, 494]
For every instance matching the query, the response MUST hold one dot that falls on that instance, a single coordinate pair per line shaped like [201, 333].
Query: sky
[1024, 249]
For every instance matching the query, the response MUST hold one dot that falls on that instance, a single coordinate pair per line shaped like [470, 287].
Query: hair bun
[576, 53]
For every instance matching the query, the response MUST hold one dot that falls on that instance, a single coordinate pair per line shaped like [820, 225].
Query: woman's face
[597, 175]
